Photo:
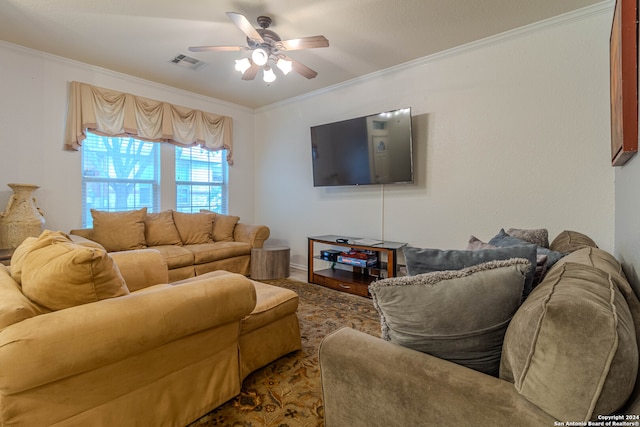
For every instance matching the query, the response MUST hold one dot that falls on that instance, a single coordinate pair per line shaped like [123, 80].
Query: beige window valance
[108, 112]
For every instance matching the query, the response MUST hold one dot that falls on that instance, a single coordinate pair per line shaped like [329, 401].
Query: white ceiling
[140, 37]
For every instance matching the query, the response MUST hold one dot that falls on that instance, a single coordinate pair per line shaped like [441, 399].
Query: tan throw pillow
[159, 229]
[194, 228]
[119, 231]
[223, 227]
[59, 274]
[17, 259]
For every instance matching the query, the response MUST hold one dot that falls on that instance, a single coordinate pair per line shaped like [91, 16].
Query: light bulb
[243, 64]
[284, 65]
[260, 56]
[269, 76]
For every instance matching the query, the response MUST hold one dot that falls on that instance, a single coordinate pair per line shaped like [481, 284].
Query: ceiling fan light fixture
[260, 56]
[285, 65]
[269, 76]
[243, 64]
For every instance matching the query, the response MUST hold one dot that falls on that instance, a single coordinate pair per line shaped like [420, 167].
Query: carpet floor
[287, 392]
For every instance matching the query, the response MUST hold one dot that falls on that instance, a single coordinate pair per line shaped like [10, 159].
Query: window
[201, 180]
[119, 174]
[123, 173]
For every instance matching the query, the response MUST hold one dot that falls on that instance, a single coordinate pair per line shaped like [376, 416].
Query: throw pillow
[58, 273]
[194, 228]
[17, 259]
[223, 227]
[475, 244]
[460, 316]
[569, 241]
[159, 229]
[571, 348]
[426, 260]
[541, 260]
[502, 239]
[537, 236]
[119, 231]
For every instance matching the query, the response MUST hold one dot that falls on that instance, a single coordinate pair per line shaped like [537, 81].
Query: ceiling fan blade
[217, 48]
[303, 43]
[251, 72]
[301, 69]
[245, 26]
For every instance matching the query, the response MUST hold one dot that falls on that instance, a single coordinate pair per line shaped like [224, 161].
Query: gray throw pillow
[460, 316]
[427, 260]
[538, 236]
[502, 239]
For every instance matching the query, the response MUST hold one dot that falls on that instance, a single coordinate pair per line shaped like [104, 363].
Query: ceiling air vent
[187, 62]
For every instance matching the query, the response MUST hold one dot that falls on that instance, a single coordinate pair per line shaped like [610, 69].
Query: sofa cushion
[58, 273]
[210, 252]
[14, 306]
[194, 228]
[571, 348]
[502, 239]
[119, 231]
[569, 241]
[594, 257]
[175, 256]
[460, 316]
[159, 229]
[537, 236]
[427, 260]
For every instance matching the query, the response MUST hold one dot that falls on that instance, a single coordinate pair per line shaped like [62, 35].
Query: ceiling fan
[266, 45]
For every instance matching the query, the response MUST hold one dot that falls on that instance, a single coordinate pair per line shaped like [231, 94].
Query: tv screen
[375, 149]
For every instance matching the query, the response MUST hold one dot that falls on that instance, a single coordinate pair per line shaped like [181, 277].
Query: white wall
[34, 88]
[627, 236]
[509, 132]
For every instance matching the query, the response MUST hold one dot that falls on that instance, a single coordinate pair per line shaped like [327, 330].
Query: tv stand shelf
[351, 279]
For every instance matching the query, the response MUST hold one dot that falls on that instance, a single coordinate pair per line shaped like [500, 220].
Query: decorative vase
[22, 218]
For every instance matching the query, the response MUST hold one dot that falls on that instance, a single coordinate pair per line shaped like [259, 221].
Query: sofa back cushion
[569, 241]
[571, 349]
[159, 229]
[194, 228]
[460, 316]
[119, 231]
[58, 273]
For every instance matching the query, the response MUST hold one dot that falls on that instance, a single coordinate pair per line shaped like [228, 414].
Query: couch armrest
[63, 343]
[255, 235]
[87, 233]
[141, 267]
[367, 381]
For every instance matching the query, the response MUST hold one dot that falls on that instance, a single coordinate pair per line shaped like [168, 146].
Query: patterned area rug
[287, 392]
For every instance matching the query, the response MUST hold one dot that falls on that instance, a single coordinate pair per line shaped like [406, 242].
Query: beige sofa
[570, 354]
[191, 243]
[90, 338]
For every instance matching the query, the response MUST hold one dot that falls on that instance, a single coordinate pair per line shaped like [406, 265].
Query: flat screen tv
[375, 149]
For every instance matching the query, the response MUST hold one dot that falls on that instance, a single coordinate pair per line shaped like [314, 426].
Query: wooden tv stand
[348, 278]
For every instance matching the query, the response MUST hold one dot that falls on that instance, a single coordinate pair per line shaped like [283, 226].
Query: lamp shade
[260, 56]
[243, 64]
[284, 65]
[269, 76]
